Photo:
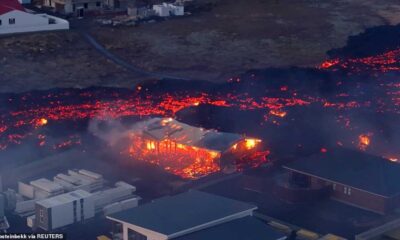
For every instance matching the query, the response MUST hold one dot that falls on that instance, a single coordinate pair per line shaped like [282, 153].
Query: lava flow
[281, 100]
[386, 62]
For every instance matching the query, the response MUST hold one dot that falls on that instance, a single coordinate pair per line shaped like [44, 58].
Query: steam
[113, 131]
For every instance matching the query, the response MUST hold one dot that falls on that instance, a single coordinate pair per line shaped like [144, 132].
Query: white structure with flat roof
[78, 206]
[3, 219]
[168, 9]
[63, 210]
[15, 19]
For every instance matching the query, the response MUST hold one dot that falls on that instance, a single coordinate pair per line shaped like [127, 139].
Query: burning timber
[192, 152]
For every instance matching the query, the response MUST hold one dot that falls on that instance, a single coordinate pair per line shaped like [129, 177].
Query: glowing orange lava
[386, 62]
[364, 140]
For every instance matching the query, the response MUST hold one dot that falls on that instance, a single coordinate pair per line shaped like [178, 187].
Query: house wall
[116, 4]
[70, 6]
[354, 196]
[359, 198]
[27, 22]
[161, 10]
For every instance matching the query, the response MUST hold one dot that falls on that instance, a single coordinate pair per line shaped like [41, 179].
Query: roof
[162, 128]
[64, 198]
[47, 185]
[393, 234]
[247, 228]
[10, 5]
[170, 215]
[353, 168]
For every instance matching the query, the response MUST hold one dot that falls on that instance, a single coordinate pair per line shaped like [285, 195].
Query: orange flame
[364, 140]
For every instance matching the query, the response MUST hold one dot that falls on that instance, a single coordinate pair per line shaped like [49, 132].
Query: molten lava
[364, 140]
[27, 116]
[386, 62]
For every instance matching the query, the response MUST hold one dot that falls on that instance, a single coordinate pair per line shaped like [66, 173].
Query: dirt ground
[245, 34]
[236, 35]
[59, 59]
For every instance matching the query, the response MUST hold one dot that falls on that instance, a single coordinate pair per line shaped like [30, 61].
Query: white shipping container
[25, 206]
[93, 175]
[111, 195]
[112, 208]
[30, 221]
[40, 194]
[69, 179]
[126, 185]
[66, 185]
[47, 185]
[62, 208]
[26, 190]
[83, 179]
[130, 203]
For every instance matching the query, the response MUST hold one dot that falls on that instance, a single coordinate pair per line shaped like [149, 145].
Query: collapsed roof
[168, 128]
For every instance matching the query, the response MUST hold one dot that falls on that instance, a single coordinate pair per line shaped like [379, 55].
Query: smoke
[113, 131]
[110, 131]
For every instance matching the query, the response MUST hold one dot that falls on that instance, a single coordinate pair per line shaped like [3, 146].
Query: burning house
[352, 177]
[192, 152]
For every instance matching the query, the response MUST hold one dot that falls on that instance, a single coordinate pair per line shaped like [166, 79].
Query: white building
[4, 225]
[15, 19]
[110, 200]
[190, 216]
[66, 206]
[44, 188]
[168, 9]
[64, 209]
[78, 8]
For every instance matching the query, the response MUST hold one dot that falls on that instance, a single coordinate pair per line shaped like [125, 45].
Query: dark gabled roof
[247, 228]
[184, 211]
[353, 168]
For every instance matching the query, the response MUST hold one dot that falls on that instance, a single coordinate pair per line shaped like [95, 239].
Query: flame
[251, 143]
[278, 113]
[41, 122]
[391, 158]
[364, 140]
[191, 162]
[329, 63]
[179, 159]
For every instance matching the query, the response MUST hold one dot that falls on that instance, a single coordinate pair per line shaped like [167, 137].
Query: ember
[364, 141]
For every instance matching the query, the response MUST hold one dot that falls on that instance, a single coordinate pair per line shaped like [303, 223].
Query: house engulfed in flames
[193, 152]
